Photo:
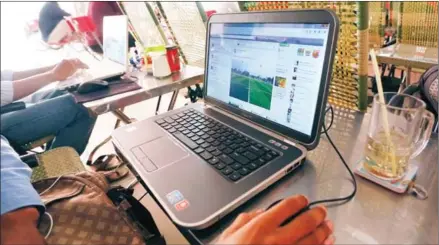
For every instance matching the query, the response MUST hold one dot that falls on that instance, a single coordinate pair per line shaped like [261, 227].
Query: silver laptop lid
[275, 72]
[115, 39]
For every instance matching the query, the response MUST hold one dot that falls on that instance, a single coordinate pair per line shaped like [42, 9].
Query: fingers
[321, 234]
[286, 208]
[240, 221]
[329, 241]
[301, 226]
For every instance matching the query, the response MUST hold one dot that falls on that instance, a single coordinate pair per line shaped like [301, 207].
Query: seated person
[21, 208]
[51, 15]
[97, 11]
[51, 113]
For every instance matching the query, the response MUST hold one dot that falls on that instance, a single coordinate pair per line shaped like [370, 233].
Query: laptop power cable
[338, 200]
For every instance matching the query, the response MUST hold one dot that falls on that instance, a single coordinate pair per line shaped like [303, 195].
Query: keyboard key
[275, 154]
[175, 117]
[259, 145]
[227, 170]
[226, 159]
[206, 129]
[228, 150]
[210, 140]
[253, 166]
[178, 126]
[200, 133]
[190, 135]
[256, 151]
[186, 132]
[235, 176]
[234, 146]
[167, 127]
[172, 130]
[222, 138]
[266, 149]
[180, 114]
[188, 142]
[160, 121]
[236, 166]
[204, 136]
[220, 166]
[205, 145]
[197, 124]
[195, 130]
[216, 152]
[201, 127]
[245, 144]
[240, 150]
[244, 171]
[268, 157]
[169, 120]
[213, 161]
[187, 125]
[216, 136]
[206, 155]
[195, 138]
[216, 143]
[210, 148]
[211, 132]
[200, 141]
[238, 141]
[198, 150]
[261, 161]
[191, 127]
[228, 142]
[250, 155]
[239, 158]
[221, 147]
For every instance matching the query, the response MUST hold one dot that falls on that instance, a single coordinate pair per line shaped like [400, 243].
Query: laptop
[115, 55]
[266, 84]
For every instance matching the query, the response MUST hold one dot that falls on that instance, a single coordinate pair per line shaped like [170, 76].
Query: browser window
[271, 70]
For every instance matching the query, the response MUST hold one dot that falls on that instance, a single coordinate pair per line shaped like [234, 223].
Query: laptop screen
[115, 39]
[268, 69]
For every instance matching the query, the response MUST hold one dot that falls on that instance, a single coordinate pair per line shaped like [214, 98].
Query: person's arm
[13, 89]
[18, 75]
[21, 205]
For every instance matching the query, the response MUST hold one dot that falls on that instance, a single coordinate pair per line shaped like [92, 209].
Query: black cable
[350, 196]
[332, 120]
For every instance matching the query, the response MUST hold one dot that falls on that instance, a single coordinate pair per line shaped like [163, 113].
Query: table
[151, 87]
[409, 56]
[375, 215]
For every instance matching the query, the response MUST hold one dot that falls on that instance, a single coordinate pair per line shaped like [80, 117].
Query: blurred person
[49, 112]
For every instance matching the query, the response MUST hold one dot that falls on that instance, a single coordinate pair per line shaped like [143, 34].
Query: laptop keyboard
[231, 153]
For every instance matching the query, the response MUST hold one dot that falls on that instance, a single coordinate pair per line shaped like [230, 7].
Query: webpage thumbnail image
[256, 89]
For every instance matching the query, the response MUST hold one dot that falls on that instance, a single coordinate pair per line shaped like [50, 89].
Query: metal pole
[363, 59]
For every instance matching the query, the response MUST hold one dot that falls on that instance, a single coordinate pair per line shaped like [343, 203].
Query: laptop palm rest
[163, 151]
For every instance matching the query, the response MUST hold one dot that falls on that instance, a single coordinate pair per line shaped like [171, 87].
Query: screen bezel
[288, 17]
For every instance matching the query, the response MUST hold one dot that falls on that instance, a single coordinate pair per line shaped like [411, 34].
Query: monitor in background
[271, 70]
[115, 39]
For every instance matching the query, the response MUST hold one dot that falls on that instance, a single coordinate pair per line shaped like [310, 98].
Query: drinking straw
[383, 108]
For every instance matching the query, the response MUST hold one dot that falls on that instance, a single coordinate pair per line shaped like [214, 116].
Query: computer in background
[266, 83]
[115, 58]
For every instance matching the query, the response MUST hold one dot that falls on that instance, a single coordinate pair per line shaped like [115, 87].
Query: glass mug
[387, 153]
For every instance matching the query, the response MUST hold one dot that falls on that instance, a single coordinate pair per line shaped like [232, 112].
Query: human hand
[262, 227]
[20, 227]
[66, 68]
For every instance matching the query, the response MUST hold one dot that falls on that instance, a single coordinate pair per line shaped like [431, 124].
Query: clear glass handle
[425, 132]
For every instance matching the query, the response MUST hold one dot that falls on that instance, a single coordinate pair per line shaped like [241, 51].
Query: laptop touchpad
[163, 151]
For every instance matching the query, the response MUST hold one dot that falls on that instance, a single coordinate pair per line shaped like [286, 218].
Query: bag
[79, 211]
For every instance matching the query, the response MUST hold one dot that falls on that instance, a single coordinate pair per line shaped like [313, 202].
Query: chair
[54, 163]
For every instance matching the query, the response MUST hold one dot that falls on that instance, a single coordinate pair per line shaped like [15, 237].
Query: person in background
[97, 11]
[48, 112]
[51, 14]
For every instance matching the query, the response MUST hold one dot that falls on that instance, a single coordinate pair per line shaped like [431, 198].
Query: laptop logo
[174, 197]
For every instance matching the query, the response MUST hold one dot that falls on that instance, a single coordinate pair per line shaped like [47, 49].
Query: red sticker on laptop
[182, 205]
